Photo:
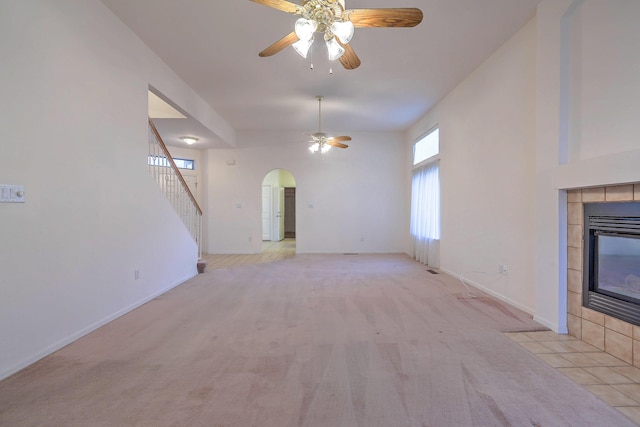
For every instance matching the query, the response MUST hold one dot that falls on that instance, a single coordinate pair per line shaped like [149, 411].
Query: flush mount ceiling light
[337, 23]
[189, 139]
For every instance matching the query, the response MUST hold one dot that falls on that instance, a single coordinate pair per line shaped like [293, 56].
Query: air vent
[432, 271]
[620, 224]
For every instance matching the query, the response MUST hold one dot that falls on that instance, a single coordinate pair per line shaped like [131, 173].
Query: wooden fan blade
[337, 144]
[283, 5]
[284, 42]
[349, 59]
[341, 138]
[391, 17]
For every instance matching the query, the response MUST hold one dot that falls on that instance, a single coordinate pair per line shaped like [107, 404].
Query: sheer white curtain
[425, 214]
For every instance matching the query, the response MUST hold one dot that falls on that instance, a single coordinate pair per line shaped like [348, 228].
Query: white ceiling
[214, 45]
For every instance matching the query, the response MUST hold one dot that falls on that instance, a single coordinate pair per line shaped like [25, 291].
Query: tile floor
[271, 251]
[614, 381]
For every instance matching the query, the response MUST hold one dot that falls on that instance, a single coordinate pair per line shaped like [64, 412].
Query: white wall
[196, 155]
[587, 135]
[73, 131]
[279, 178]
[487, 136]
[352, 200]
[604, 47]
[555, 108]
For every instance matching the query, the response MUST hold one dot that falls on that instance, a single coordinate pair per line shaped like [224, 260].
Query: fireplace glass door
[618, 266]
[611, 271]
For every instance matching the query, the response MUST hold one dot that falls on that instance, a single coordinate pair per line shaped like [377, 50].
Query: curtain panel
[425, 214]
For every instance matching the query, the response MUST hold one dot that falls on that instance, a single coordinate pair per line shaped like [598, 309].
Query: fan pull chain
[319, 114]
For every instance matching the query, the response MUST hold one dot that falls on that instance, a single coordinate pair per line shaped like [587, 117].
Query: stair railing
[168, 177]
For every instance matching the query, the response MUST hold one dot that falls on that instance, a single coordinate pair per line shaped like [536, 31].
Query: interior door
[290, 213]
[278, 214]
[266, 212]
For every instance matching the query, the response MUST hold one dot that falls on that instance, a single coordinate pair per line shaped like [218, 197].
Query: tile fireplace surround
[613, 336]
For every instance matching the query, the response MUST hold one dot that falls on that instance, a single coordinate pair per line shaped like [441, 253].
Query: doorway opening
[278, 211]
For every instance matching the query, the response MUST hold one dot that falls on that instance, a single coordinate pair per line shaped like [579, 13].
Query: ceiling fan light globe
[334, 48]
[343, 30]
[305, 28]
[314, 147]
[303, 46]
[325, 148]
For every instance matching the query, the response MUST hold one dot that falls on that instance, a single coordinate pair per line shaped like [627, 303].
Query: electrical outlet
[136, 274]
[503, 268]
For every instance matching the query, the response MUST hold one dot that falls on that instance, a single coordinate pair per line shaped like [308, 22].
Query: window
[427, 146]
[425, 200]
[185, 164]
[180, 163]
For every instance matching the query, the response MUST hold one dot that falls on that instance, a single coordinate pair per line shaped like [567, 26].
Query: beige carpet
[316, 340]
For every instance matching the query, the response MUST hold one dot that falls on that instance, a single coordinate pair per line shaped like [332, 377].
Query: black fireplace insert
[611, 272]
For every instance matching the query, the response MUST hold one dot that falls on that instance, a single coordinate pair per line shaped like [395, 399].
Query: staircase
[168, 177]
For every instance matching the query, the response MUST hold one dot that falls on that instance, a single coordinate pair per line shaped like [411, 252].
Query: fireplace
[611, 279]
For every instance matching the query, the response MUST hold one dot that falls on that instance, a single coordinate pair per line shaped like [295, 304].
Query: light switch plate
[11, 193]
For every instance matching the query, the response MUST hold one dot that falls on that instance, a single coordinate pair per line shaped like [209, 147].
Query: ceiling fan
[320, 141]
[337, 23]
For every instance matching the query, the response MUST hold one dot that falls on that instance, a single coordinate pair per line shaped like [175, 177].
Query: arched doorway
[278, 208]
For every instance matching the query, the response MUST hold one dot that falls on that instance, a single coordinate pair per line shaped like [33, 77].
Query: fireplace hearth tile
[574, 325]
[605, 359]
[636, 353]
[559, 346]
[574, 196]
[574, 236]
[593, 316]
[590, 195]
[607, 351]
[580, 375]
[574, 303]
[612, 396]
[632, 412]
[619, 193]
[575, 214]
[574, 281]
[609, 375]
[614, 380]
[593, 334]
[535, 347]
[618, 325]
[630, 372]
[555, 360]
[631, 390]
[574, 258]
[542, 335]
[583, 347]
[581, 360]
[619, 345]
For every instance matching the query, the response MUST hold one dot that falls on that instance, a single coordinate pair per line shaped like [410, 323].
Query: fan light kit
[337, 23]
[320, 141]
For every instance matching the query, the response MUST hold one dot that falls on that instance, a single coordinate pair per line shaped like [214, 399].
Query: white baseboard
[491, 292]
[553, 326]
[84, 331]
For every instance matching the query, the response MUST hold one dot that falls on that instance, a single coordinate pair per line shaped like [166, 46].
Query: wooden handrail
[173, 165]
